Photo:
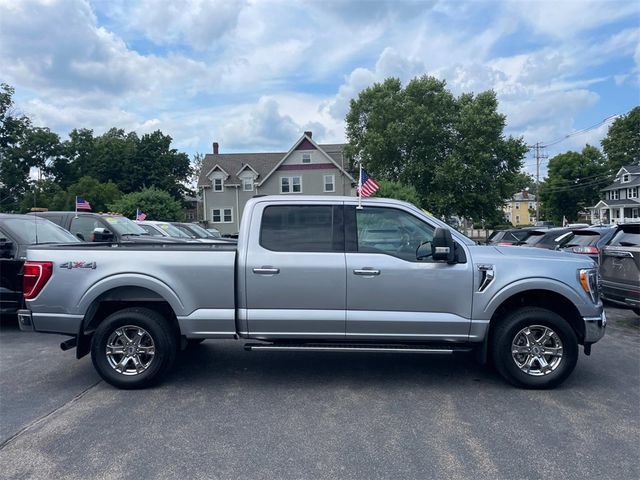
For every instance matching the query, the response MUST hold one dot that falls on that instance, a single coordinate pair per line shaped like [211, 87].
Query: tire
[525, 361]
[142, 348]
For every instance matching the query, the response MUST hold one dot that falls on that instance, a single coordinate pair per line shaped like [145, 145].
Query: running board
[350, 347]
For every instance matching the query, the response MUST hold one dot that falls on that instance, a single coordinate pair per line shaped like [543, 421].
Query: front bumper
[25, 320]
[594, 328]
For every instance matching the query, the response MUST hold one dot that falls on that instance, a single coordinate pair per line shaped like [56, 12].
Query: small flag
[82, 204]
[565, 222]
[367, 186]
[140, 215]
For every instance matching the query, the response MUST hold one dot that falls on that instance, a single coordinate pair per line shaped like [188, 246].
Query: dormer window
[218, 185]
[247, 184]
[625, 178]
[306, 158]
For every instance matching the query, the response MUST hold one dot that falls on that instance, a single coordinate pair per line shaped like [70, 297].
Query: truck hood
[482, 253]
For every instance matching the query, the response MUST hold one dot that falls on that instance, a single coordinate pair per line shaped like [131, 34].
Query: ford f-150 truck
[319, 274]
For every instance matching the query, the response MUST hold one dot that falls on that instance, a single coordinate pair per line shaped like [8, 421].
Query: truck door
[295, 272]
[393, 295]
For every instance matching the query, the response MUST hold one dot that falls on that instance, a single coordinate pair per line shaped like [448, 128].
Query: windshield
[124, 226]
[27, 229]
[171, 230]
[201, 232]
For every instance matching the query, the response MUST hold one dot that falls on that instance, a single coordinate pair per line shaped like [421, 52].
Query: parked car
[17, 233]
[163, 229]
[620, 267]
[510, 236]
[550, 239]
[215, 232]
[313, 273]
[101, 227]
[587, 241]
[544, 223]
[200, 233]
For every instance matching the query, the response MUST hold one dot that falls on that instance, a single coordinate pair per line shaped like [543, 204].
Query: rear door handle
[366, 271]
[266, 271]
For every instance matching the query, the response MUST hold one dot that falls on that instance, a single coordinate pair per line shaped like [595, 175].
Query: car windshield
[31, 231]
[201, 232]
[627, 237]
[171, 230]
[124, 226]
[578, 239]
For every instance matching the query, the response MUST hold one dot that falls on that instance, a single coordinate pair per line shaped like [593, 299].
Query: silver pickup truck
[319, 274]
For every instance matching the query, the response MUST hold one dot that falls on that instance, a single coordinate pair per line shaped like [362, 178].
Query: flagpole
[360, 187]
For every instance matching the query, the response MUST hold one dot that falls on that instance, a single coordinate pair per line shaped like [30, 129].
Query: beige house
[620, 201]
[516, 209]
[228, 180]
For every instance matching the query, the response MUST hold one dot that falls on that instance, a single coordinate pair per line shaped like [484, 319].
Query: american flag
[367, 186]
[140, 215]
[82, 204]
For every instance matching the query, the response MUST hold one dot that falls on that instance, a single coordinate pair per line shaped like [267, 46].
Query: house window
[625, 178]
[632, 192]
[291, 185]
[517, 205]
[218, 185]
[517, 219]
[222, 215]
[329, 183]
[247, 184]
[614, 195]
[306, 158]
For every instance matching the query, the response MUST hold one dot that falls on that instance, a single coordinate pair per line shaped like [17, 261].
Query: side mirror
[101, 234]
[6, 247]
[442, 246]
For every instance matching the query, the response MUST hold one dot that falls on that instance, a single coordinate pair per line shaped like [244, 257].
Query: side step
[354, 347]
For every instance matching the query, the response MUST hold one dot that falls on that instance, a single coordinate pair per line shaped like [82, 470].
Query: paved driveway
[227, 413]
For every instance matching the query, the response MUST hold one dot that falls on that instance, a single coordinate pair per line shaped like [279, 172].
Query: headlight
[589, 281]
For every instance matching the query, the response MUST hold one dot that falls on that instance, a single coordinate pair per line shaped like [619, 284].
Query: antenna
[35, 219]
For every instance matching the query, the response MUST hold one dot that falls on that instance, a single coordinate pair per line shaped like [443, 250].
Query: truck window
[302, 228]
[390, 231]
[83, 227]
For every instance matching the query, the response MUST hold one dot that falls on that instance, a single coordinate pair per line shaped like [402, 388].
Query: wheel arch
[116, 298]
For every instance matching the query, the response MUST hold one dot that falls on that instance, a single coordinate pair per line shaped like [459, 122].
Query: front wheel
[534, 348]
[133, 348]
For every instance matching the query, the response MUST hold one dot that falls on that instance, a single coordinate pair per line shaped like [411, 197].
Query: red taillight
[505, 244]
[35, 276]
[589, 250]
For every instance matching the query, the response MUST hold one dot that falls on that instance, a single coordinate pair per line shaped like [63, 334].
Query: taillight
[505, 244]
[35, 276]
[589, 250]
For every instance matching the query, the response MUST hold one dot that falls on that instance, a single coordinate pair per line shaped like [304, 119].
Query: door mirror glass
[424, 250]
[442, 246]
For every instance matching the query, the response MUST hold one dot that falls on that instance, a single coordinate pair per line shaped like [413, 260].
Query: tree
[389, 189]
[573, 183]
[158, 205]
[622, 143]
[452, 150]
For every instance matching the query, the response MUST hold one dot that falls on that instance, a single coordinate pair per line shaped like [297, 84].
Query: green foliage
[622, 143]
[573, 183]
[452, 150]
[389, 189]
[157, 204]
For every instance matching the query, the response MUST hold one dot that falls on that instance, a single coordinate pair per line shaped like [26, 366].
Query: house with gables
[228, 180]
[620, 202]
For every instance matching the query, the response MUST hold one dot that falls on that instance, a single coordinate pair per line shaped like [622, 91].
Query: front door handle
[366, 271]
[266, 271]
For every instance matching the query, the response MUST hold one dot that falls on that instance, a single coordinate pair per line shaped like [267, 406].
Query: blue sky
[253, 75]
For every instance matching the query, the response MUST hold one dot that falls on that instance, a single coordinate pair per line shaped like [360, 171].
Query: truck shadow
[224, 362]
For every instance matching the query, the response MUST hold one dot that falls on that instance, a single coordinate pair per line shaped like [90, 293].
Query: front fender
[537, 283]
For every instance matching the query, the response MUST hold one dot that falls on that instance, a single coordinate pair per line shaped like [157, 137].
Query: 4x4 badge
[70, 265]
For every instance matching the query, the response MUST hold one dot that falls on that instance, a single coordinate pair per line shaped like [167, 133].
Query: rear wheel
[133, 348]
[534, 348]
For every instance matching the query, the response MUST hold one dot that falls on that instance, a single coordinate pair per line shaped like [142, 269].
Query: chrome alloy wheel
[130, 350]
[537, 350]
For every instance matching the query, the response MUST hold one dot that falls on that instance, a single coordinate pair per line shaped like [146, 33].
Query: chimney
[308, 134]
[215, 148]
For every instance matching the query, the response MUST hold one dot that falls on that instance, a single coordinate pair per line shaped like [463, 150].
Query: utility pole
[539, 157]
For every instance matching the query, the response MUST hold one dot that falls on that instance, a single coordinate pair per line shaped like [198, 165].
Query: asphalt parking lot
[227, 413]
